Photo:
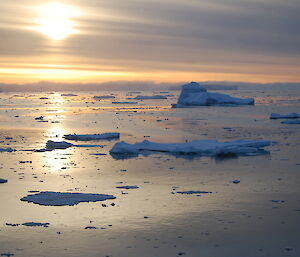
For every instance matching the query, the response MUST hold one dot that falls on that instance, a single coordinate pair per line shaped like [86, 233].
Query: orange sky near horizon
[83, 41]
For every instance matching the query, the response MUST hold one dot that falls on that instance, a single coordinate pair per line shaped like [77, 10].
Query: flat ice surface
[205, 147]
[51, 145]
[193, 94]
[149, 97]
[63, 199]
[292, 115]
[88, 137]
[291, 122]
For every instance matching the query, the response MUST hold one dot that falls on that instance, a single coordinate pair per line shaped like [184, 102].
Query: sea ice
[149, 97]
[193, 192]
[87, 137]
[124, 102]
[68, 94]
[64, 199]
[127, 187]
[36, 224]
[291, 115]
[51, 145]
[2, 181]
[6, 149]
[203, 147]
[192, 94]
[104, 97]
[291, 122]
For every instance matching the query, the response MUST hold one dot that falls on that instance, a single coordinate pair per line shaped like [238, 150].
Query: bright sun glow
[55, 20]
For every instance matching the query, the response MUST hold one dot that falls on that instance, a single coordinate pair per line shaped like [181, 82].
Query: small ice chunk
[36, 224]
[6, 149]
[192, 94]
[127, 187]
[51, 145]
[149, 97]
[291, 115]
[290, 122]
[193, 192]
[2, 180]
[88, 137]
[39, 118]
[236, 181]
[47, 198]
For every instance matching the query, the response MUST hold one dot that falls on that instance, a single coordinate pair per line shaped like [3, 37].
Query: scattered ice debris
[149, 97]
[2, 181]
[127, 187]
[69, 94]
[236, 181]
[290, 122]
[291, 115]
[36, 224]
[193, 192]
[104, 97]
[51, 145]
[12, 224]
[124, 102]
[64, 199]
[202, 147]
[192, 94]
[88, 137]
[6, 149]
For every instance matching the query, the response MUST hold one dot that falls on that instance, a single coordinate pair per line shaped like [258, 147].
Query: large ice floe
[197, 147]
[192, 94]
[291, 115]
[89, 137]
[48, 198]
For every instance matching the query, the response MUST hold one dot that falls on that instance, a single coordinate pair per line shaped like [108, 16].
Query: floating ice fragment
[36, 224]
[6, 149]
[2, 181]
[47, 198]
[68, 94]
[124, 102]
[192, 94]
[236, 181]
[51, 145]
[290, 122]
[104, 97]
[291, 115]
[87, 137]
[193, 192]
[149, 97]
[127, 187]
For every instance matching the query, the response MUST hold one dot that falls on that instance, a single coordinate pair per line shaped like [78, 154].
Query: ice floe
[127, 187]
[291, 115]
[88, 137]
[199, 147]
[124, 102]
[51, 145]
[48, 198]
[6, 149]
[193, 192]
[290, 122]
[149, 97]
[36, 224]
[103, 97]
[2, 181]
[69, 94]
[192, 94]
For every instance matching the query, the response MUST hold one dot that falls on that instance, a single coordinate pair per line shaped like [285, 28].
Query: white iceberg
[6, 149]
[290, 122]
[200, 147]
[99, 97]
[89, 137]
[291, 115]
[192, 94]
[149, 97]
[51, 145]
[62, 199]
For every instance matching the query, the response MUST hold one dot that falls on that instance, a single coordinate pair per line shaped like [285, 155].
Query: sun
[56, 20]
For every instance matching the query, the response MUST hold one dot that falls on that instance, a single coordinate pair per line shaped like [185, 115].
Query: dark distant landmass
[45, 86]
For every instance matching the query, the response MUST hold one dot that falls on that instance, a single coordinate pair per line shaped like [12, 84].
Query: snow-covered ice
[292, 115]
[203, 147]
[192, 94]
[63, 199]
[51, 145]
[88, 137]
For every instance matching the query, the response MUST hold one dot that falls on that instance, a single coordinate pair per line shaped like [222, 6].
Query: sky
[91, 41]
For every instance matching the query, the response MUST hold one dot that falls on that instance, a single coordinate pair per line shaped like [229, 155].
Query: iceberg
[48, 198]
[51, 145]
[149, 97]
[87, 137]
[291, 115]
[192, 94]
[199, 147]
